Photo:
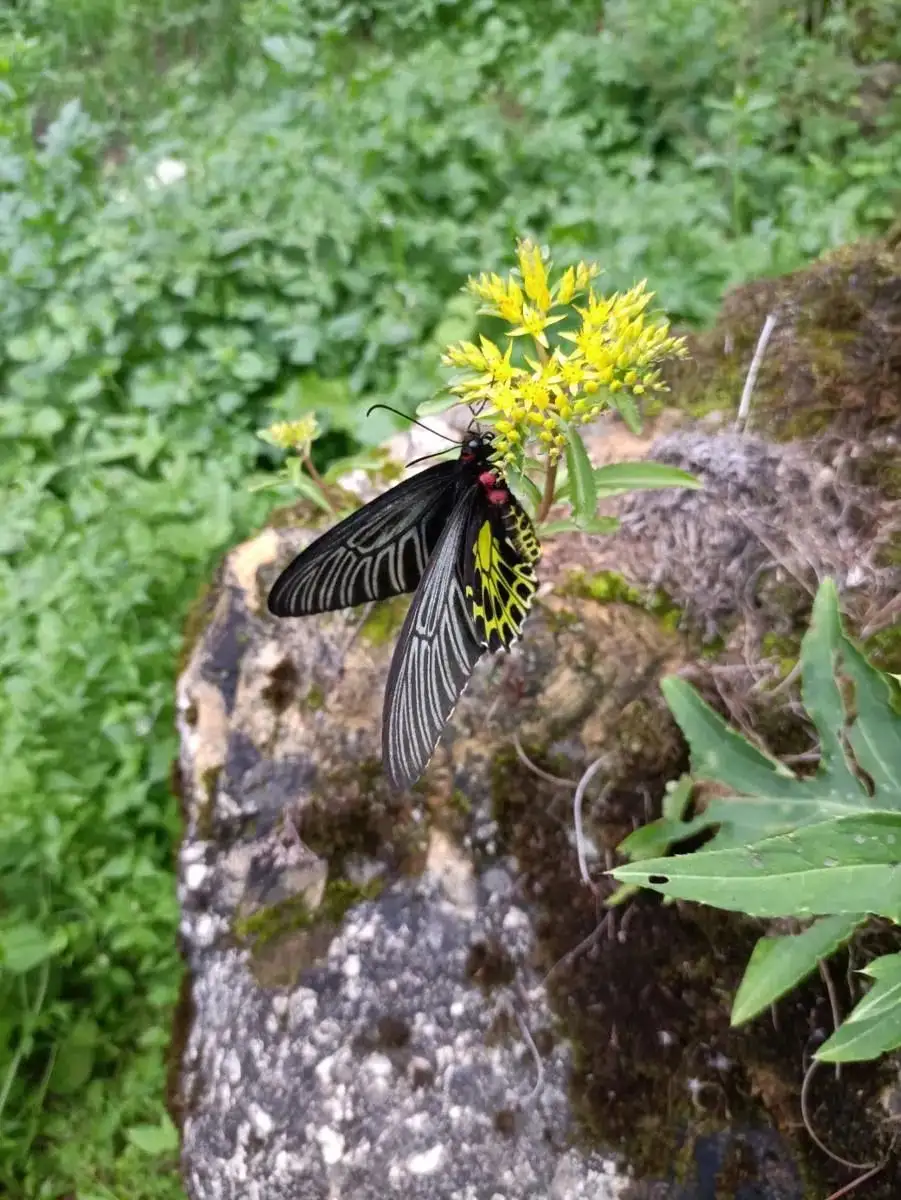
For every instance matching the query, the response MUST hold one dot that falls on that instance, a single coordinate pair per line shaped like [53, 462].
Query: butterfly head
[476, 447]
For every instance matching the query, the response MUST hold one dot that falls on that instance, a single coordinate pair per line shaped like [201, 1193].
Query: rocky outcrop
[417, 995]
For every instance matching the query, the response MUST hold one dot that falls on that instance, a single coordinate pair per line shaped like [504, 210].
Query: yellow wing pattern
[499, 572]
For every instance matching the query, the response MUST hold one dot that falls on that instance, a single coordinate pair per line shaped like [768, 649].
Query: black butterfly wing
[501, 550]
[380, 550]
[434, 657]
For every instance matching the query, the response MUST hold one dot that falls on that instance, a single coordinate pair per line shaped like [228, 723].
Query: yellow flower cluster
[615, 348]
[293, 435]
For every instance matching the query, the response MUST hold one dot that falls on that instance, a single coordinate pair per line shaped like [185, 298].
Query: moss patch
[831, 364]
[209, 781]
[287, 938]
[883, 649]
[384, 622]
[609, 587]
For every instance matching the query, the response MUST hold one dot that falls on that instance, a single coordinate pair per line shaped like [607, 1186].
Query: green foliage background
[347, 165]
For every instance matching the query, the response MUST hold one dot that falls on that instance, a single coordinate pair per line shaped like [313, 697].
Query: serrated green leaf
[719, 752]
[778, 964]
[583, 494]
[848, 865]
[874, 1025]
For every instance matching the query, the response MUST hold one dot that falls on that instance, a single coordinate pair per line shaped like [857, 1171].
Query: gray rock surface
[371, 1009]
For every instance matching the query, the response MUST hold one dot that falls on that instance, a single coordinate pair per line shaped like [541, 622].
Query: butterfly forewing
[381, 550]
[500, 553]
[434, 658]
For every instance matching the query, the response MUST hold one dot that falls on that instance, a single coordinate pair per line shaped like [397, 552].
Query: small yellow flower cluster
[293, 435]
[616, 348]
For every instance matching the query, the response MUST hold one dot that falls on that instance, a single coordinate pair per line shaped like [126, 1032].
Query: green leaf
[874, 1025]
[596, 525]
[307, 488]
[617, 479]
[822, 697]
[524, 489]
[154, 1139]
[628, 410]
[849, 865]
[565, 525]
[600, 525]
[778, 964]
[171, 337]
[24, 947]
[583, 494]
[45, 422]
[655, 838]
[364, 461]
[75, 1058]
[438, 404]
[718, 752]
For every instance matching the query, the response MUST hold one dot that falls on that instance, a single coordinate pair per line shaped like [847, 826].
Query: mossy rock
[282, 719]
[832, 364]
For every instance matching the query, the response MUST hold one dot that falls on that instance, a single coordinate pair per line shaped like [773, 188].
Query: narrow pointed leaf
[848, 865]
[628, 410]
[718, 752]
[821, 693]
[778, 964]
[618, 478]
[875, 735]
[524, 489]
[583, 495]
[874, 1026]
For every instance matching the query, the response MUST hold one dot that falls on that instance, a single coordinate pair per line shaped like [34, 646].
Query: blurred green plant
[827, 846]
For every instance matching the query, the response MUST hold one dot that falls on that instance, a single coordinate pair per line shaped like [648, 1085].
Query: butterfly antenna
[397, 412]
[423, 458]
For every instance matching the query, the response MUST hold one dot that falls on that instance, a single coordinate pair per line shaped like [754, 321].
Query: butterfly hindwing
[434, 658]
[380, 550]
[500, 553]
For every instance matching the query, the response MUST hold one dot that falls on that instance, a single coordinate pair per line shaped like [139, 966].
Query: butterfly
[456, 537]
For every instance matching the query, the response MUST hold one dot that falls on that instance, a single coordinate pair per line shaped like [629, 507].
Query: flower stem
[319, 481]
[547, 499]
